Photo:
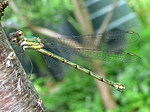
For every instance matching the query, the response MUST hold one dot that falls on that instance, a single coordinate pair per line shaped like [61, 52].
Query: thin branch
[55, 35]
[44, 31]
[106, 22]
[82, 16]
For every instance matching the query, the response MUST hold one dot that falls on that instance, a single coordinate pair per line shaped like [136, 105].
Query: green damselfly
[35, 43]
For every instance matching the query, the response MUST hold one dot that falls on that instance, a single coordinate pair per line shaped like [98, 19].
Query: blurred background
[65, 89]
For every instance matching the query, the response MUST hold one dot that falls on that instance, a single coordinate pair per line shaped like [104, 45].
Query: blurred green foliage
[69, 95]
[78, 93]
[44, 13]
[141, 8]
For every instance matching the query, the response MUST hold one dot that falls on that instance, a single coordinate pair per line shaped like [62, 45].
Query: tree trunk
[16, 91]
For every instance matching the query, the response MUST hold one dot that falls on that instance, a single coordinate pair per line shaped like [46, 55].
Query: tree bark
[16, 91]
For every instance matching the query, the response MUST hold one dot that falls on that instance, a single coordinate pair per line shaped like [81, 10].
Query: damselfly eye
[20, 33]
[13, 40]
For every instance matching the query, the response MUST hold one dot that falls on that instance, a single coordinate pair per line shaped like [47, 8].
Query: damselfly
[35, 43]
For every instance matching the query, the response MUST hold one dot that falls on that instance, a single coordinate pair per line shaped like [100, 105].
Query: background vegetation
[77, 92]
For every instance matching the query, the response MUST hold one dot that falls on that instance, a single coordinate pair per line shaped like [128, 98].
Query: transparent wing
[109, 38]
[104, 52]
[101, 55]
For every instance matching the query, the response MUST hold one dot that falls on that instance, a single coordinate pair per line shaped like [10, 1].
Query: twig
[41, 30]
[105, 22]
[82, 16]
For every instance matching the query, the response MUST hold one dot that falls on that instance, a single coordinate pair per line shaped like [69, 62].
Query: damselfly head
[19, 34]
[16, 36]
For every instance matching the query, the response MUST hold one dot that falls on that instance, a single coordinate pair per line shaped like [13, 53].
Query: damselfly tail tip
[119, 87]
